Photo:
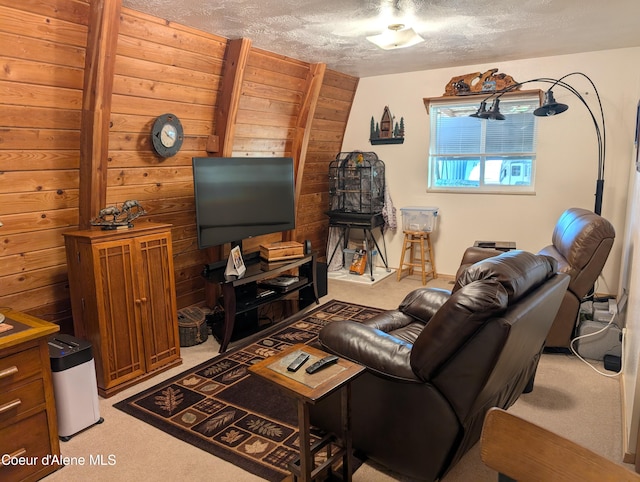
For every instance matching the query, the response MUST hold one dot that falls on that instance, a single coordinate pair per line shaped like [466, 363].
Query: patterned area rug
[221, 408]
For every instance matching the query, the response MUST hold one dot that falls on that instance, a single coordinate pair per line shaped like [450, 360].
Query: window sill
[519, 192]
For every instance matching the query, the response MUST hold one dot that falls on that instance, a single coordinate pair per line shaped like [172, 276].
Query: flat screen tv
[238, 198]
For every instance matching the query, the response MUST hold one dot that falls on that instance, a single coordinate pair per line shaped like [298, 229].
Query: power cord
[605, 327]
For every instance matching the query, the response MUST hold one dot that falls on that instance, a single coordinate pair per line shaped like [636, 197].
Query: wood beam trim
[304, 122]
[102, 41]
[232, 77]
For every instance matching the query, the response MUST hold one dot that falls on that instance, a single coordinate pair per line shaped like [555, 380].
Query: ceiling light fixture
[397, 36]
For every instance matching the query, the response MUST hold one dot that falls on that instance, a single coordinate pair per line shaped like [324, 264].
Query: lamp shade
[482, 110]
[397, 36]
[494, 112]
[550, 106]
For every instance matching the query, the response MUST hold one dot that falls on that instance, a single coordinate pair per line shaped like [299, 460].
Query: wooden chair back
[522, 451]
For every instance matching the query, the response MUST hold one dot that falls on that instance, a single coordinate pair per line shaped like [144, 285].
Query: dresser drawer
[19, 366]
[14, 403]
[29, 439]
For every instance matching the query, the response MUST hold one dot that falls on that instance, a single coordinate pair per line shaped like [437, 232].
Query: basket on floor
[192, 326]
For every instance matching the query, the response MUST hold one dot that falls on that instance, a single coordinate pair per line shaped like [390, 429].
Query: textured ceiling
[456, 32]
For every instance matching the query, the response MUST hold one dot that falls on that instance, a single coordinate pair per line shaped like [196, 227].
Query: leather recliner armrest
[389, 321]
[380, 352]
[423, 303]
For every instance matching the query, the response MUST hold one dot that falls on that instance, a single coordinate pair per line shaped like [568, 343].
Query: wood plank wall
[272, 91]
[41, 81]
[164, 68]
[160, 67]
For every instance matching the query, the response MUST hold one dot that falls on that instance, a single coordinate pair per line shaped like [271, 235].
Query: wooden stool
[411, 238]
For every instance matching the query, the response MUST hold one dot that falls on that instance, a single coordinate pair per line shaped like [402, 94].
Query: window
[468, 154]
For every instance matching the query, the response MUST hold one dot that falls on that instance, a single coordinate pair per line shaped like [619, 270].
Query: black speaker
[321, 279]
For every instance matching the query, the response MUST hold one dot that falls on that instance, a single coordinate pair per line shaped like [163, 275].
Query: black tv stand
[246, 294]
[248, 258]
[214, 266]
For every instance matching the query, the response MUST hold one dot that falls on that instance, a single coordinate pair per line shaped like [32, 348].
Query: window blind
[454, 132]
[475, 154]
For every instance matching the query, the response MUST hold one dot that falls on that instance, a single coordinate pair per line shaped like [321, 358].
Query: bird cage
[356, 183]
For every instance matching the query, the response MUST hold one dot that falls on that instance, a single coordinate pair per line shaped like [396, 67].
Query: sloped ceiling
[456, 32]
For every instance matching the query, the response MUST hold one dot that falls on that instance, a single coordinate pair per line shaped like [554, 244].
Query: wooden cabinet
[29, 443]
[124, 303]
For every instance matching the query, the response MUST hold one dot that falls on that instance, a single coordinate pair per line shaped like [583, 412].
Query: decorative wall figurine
[478, 83]
[114, 217]
[387, 131]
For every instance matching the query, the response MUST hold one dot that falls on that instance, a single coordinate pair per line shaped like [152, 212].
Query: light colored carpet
[569, 398]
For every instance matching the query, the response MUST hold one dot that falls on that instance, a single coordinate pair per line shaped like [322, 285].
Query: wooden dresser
[28, 425]
[124, 302]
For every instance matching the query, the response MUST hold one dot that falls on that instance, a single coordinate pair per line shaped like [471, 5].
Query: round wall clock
[167, 135]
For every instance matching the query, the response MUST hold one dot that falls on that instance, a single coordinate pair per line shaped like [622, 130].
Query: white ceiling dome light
[397, 36]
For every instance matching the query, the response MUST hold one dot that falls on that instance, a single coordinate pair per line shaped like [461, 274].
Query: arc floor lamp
[551, 107]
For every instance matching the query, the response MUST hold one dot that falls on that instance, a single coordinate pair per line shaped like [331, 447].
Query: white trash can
[74, 384]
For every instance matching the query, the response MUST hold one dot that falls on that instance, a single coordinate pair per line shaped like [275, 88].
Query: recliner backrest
[518, 271]
[485, 289]
[581, 243]
[578, 233]
[454, 323]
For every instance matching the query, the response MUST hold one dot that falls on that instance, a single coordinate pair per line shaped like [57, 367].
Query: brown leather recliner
[581, 243]
[437, 363]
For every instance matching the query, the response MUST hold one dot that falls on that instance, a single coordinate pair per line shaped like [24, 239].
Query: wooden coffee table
[308, 389]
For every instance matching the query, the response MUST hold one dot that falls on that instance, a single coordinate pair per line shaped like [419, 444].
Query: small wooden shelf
[480, 96]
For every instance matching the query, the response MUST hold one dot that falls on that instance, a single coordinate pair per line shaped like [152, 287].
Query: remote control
[322, 363]
[298, 362]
